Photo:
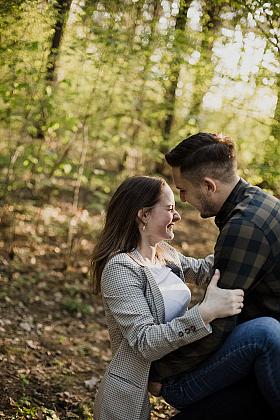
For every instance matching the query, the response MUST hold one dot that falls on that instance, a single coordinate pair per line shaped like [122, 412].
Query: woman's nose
[176, 217]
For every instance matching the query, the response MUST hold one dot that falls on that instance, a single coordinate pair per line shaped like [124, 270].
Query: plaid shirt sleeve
[241, 253]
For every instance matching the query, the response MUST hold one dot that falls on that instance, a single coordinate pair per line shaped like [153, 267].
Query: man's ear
[210, 185]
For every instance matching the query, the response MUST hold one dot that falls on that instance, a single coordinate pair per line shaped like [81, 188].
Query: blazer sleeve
[123, 289]
[197, 271]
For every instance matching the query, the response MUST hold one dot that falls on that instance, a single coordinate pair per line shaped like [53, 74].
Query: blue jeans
[254, 345]
[240, 401]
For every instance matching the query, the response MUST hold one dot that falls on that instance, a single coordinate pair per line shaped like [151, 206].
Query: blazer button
[181, 334]
[193, 328]
[187, 330]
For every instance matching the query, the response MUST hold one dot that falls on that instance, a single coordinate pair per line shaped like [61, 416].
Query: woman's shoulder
[168, 252]
[119, 272]
[122, 258]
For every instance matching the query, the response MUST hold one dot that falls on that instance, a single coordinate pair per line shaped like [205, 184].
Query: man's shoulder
[256, 201]
[257, 207]
[258, 197]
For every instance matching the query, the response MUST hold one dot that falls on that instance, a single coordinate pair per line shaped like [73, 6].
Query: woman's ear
[142, 215]
[210, 185]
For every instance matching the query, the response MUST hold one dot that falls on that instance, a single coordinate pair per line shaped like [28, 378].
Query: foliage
[105, 112]
[131, 79]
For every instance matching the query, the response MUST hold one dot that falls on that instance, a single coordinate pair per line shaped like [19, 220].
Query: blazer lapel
[153, 294]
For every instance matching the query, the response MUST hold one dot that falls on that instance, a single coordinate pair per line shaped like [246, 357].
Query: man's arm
[240, 254]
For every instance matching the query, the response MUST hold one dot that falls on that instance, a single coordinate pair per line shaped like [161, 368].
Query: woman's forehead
[167, 194]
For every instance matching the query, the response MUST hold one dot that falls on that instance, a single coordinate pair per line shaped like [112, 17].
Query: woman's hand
[219, 303]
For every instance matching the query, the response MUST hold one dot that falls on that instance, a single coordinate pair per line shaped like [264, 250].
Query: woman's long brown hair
[121, 231]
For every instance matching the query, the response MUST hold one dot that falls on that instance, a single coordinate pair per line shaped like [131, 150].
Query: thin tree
[267, 19]
[170, 94]
[211, 23]
[61, 8]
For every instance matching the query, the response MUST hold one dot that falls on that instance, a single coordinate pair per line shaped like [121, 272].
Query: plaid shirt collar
[233, 199]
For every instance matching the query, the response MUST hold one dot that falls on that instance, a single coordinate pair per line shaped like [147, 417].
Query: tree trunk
[212, 23]
[170, 95]
[275, 129]
[73, 220]
[62, 8]
[272, 146]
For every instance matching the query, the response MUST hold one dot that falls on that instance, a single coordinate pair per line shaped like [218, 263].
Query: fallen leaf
[40, 415]
[25, 326]
[32, 344]
[91, 383]
[65, 396]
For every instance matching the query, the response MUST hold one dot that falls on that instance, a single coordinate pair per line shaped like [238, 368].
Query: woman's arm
[197, 271]
[123, 285]
[123, 293]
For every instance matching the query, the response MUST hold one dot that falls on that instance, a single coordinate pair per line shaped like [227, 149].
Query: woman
[140, 278]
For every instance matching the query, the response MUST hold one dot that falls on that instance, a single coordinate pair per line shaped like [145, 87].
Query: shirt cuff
[199, 317]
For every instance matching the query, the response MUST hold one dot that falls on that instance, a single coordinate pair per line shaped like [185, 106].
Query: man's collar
[233, 199]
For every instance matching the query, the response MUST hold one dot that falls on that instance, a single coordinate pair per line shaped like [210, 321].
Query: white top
[176, 294]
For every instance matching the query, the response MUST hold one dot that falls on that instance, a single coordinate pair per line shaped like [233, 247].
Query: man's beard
[207, 208]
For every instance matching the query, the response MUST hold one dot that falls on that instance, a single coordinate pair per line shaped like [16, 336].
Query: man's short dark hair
[204, 155]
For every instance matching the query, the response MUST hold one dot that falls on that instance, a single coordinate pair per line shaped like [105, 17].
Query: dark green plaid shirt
[247, 253]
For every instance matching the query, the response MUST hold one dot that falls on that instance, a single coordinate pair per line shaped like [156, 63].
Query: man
[247, 251]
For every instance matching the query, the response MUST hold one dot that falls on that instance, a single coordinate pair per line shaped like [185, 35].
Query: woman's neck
[147, 252]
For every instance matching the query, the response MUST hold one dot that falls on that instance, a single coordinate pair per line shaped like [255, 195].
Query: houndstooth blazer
[135, 313]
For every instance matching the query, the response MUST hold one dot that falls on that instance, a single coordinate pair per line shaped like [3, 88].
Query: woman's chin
[170, 235]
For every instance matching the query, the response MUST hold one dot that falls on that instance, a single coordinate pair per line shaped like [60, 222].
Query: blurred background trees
[91, 92]
[94, 91]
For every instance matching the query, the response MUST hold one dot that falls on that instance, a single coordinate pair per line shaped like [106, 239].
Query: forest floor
[54, 342]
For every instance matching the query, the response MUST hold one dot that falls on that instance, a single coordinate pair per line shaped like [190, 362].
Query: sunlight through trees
[137, 76]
